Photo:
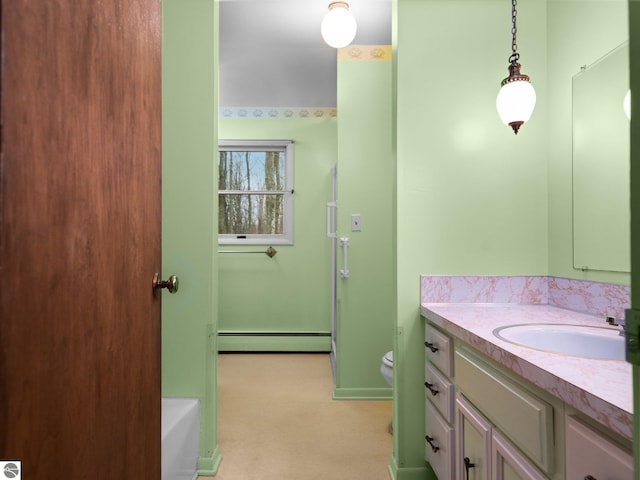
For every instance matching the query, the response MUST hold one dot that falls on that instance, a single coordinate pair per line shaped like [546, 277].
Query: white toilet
[387, 367]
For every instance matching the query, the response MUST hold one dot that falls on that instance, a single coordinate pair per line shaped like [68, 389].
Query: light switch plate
[356, 223]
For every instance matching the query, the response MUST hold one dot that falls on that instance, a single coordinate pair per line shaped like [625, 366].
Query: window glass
[255, 203]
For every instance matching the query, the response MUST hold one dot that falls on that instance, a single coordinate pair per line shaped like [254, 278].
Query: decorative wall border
[365, 53]
[278, 112]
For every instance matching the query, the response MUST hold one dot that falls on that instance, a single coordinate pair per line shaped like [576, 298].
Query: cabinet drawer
[523, 417]
[590, 453]
[439, 391]
[439, 350]
[439, 448]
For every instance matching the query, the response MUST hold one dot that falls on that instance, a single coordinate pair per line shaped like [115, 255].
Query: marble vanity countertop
[601, 389]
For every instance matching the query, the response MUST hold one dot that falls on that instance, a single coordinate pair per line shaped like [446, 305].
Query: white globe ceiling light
[517, 97]
[338, 26]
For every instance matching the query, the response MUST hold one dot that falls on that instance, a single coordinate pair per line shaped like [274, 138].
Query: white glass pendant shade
[338, 26]
[515, 103]
[626, 104]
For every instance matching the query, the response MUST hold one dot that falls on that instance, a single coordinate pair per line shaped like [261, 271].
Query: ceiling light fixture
[338, 26]
[517, 98]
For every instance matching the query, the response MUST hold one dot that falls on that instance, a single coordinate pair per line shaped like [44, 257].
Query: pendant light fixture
[338, 26]
[516, 98]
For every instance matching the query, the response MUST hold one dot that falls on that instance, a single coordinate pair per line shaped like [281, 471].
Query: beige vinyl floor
[277, 420]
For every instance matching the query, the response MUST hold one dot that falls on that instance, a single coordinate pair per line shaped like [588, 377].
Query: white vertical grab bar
[344, 243]
[329, 219]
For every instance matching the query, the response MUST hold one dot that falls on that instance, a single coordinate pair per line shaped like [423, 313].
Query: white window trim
[286, 238]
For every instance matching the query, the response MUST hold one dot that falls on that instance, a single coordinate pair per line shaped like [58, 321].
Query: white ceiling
[272, 54]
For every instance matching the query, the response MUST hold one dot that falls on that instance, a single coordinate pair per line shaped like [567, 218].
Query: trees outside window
[255, 192]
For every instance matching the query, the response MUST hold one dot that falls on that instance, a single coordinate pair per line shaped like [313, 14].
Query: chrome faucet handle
[616, 322]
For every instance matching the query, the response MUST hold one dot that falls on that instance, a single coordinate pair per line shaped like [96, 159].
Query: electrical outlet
[356, 223]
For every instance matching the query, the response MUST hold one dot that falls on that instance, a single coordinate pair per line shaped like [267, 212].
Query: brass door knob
[171, 284]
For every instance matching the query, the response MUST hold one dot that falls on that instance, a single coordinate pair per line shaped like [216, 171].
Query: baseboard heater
[229, 341]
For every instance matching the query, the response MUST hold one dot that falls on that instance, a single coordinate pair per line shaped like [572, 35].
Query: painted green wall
[580, 32]
[365, 168]
[471, 195]
[291, 291]
[189, 99]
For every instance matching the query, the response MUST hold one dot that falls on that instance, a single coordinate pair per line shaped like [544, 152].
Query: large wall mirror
[601, 212]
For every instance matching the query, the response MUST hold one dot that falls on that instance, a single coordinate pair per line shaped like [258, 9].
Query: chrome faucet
[616, 322]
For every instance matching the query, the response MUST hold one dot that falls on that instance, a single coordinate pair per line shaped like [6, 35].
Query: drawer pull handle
[431, 347]
[589, 477]
[434, 391]
[434, 448]
[467, 466]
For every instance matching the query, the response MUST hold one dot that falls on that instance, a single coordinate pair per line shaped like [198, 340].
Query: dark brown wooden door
[80, 238]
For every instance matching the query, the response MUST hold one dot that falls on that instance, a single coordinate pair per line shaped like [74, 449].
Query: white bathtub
[180, 432]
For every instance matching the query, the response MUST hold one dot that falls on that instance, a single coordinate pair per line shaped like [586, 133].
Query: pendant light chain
[513, 59]
[517, 97]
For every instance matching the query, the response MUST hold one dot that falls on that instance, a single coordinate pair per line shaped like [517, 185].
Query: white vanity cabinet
[488, 422]
[483, 453]
[589, 454]
[503, 425]
[439, 400]
[505, 431]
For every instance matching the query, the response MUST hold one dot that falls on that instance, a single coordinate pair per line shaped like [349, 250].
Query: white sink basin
[579, 340]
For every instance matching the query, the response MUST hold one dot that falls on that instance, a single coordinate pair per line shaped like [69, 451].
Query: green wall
[189, 98]
[291, 291]
[365, 168]
[471, 195]
[580, 32]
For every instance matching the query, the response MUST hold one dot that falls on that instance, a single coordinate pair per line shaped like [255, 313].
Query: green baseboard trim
[208, 466]
[230, 342]
[393, 468]
[411, 473]
[363, 393]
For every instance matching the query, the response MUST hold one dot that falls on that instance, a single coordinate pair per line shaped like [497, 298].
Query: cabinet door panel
[590, 453]
[473, 441]
[507, 463]
[526, 419]
[509, 473]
